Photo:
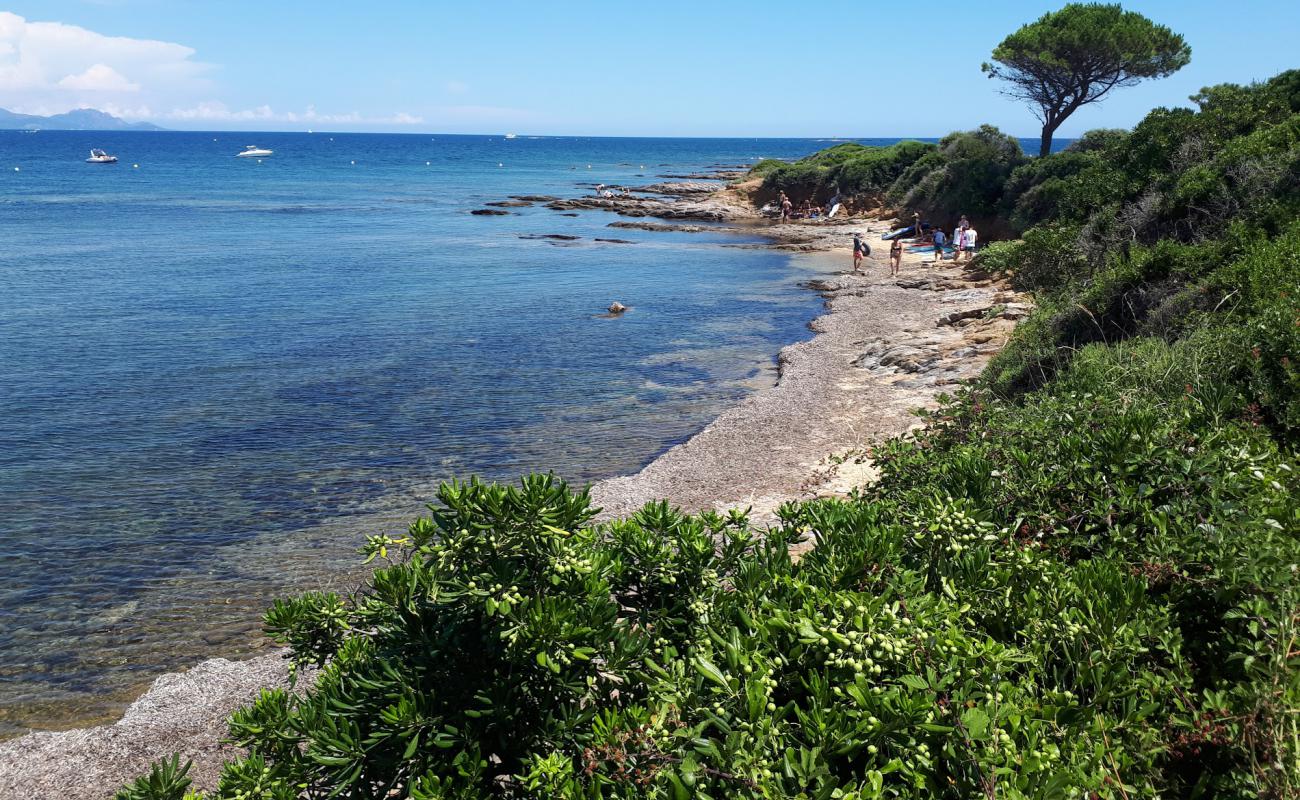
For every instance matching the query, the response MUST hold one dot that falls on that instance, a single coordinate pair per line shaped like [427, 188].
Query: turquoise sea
[219, 373]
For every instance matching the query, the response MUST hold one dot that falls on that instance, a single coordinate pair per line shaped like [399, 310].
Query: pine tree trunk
[1049, 128]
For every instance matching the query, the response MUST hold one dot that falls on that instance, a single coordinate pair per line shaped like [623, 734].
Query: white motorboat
[98, 156]
[511, 136]
[253, 151]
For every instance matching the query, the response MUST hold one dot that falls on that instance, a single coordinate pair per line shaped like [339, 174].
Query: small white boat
[253, 151]
[511, 136]
[98, 156]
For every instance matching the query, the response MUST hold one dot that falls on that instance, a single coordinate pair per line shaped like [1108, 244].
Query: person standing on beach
[966, 248]
[939, 241]
[860, 251]
[916, 223]
[895, 256]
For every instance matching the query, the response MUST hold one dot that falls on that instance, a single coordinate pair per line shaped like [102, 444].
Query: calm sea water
[217, 374]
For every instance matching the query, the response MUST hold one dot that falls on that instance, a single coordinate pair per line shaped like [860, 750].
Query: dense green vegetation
[1081, 580]
[1179, 174]
[849, 169]
[1183, 230]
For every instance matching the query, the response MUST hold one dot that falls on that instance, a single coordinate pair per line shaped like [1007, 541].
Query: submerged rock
[489, 212]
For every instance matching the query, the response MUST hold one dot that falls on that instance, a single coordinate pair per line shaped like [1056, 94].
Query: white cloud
[52, 67]
[99, 78]
[213, 111]
[52, 64]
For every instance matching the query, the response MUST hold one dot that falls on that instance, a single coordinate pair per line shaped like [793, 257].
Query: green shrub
[1262, 288]
[964, 176]
[1036, 191]
[850, 169]
[800, 180]
[767, 165]
[1098, 140]
[167, 780]
[1028, 602]
[1045, 260]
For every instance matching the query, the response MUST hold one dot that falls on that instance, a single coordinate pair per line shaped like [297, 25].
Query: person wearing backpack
[861, 250]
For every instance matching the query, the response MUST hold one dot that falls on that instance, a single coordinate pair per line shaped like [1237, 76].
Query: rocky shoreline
[884, 347]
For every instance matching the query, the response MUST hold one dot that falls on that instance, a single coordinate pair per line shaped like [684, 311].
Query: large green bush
[965, 175]
[851, 169]
[1090, 590]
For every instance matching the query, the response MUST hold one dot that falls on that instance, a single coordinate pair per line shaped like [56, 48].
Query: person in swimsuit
[895, 256]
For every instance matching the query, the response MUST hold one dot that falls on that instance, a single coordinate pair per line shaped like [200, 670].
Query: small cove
[221, 374]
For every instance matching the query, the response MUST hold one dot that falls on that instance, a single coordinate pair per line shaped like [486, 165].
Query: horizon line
[314, 132]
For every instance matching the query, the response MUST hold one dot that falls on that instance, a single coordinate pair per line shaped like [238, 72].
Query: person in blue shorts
[939, 241]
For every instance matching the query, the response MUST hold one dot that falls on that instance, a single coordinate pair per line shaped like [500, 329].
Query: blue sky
[671, 68]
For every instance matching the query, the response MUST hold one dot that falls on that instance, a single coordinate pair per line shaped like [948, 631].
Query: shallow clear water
[217, 374]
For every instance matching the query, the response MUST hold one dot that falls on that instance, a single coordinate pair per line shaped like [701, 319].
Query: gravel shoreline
[885, 346]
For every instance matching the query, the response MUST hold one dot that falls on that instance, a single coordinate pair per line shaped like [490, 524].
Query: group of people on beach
[964, 237]
[808, 210]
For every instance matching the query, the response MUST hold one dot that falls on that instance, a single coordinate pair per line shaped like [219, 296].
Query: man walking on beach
[939, 241]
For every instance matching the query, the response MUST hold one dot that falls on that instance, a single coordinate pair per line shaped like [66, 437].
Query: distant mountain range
[81, 119]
